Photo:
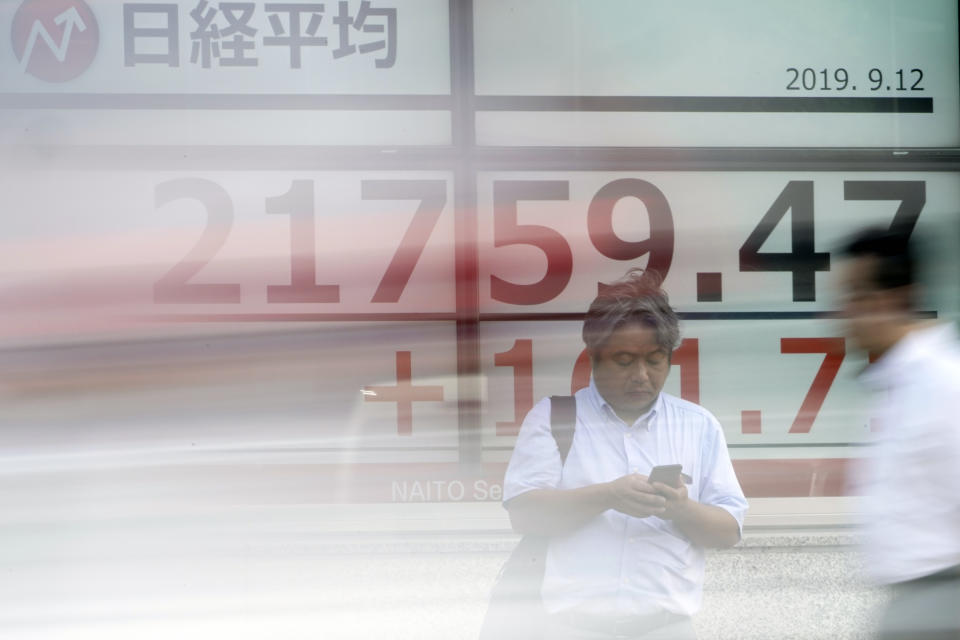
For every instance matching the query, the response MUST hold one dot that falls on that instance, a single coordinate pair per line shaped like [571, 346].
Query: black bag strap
[563, 422]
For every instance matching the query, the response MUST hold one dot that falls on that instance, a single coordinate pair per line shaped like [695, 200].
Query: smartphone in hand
[668, 474]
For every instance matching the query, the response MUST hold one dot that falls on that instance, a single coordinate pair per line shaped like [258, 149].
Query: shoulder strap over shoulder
[563, 421]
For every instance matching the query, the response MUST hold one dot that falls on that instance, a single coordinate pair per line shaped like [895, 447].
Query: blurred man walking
[910, 482]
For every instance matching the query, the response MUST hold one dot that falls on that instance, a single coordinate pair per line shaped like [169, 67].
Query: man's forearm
[557, 511]
[708, 526]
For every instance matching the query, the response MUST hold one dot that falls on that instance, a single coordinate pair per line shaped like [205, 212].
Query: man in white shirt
[910, 482]
[625, 557]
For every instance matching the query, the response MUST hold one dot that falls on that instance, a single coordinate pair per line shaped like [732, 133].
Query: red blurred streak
[404, 394]
[520, 357]
[687, 357]
[751, 422]
[581, 372]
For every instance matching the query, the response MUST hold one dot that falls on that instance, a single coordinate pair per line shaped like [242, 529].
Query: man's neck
[894, 335]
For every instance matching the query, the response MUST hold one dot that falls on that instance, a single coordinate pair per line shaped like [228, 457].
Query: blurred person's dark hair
[895, 261]
[637, 297]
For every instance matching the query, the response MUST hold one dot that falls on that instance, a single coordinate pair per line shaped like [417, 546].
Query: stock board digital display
[391, 216]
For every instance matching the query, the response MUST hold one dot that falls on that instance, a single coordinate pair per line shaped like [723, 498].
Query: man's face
[866, 310]
[630, 369]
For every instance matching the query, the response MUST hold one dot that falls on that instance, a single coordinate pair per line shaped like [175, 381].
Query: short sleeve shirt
[617, 564]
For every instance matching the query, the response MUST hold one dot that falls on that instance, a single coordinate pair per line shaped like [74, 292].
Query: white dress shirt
[910, 480]
[616, 564]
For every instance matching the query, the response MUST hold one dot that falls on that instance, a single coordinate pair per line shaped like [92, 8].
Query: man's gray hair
[637, 297]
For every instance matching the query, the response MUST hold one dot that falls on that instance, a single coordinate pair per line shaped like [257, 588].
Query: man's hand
[704, 525]
[636, 497]
[677, 503]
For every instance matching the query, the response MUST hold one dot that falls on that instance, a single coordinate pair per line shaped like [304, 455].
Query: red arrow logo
[55, 40]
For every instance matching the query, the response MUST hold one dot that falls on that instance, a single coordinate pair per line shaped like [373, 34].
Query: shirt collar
[646, 420]
[917, 344]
